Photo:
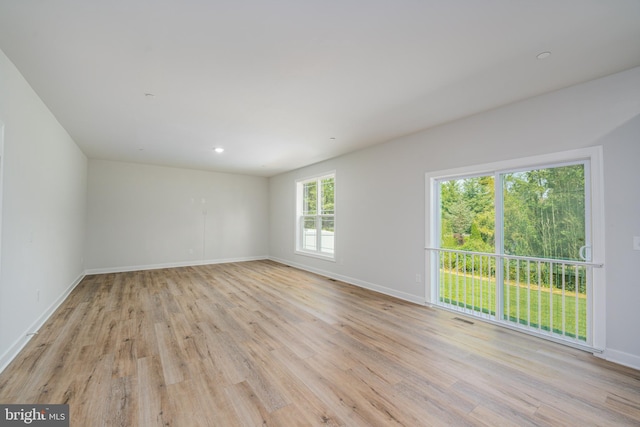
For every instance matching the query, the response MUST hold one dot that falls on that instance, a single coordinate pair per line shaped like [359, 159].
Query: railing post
[499, 287]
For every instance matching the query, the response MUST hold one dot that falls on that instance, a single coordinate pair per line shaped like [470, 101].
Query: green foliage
[448, 240]
[328, 195]
[543, 213]
[310, 198]
[326, 200]
[468, 209]
[461, 217]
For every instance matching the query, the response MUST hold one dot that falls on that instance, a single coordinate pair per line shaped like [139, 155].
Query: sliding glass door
[514, 246]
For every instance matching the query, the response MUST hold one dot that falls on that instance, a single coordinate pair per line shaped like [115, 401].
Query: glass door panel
[512, 246]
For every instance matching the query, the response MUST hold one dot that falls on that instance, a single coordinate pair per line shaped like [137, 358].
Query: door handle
[584, 255]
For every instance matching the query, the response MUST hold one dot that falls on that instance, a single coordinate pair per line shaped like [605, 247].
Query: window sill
[331, 258]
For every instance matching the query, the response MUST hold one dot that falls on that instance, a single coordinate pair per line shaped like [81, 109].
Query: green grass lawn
[533, 307]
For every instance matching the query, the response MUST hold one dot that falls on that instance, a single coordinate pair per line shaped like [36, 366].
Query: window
[518, 243]
[315, 230]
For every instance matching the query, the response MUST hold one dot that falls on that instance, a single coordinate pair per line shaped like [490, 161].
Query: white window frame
[593, 155]
[318, 253]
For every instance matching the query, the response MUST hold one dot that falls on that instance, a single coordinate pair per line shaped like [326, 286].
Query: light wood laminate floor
[259, 343]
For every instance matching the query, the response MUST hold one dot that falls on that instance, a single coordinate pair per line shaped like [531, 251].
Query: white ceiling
[274, 81]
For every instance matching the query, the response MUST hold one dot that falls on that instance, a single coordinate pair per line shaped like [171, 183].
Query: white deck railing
[548, 297]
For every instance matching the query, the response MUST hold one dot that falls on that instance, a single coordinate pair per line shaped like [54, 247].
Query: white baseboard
[19, 344]
[356, 282]
[124, 269]
[621, 358]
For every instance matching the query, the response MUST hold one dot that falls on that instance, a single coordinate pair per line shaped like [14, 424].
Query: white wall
[142, 216]
[380, 192]
[43, 212]
[622, 207]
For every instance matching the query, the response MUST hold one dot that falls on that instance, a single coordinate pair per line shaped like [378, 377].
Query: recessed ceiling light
[543, 55]
[149, 95]
[333, 138]
[219, 150]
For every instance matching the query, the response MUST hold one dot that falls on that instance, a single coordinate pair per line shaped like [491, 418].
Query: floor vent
[460, 319]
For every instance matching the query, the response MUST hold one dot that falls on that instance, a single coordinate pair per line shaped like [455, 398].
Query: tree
[467, 206]
[544, 212]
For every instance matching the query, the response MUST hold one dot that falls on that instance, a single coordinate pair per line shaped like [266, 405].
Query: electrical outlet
[37, 295]
[418, 278]
[636, 243]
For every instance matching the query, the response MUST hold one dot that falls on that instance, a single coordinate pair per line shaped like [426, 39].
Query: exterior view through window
[514, 247]
[316, 216]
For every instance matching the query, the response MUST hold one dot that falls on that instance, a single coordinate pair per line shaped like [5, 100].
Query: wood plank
[173, 360]
[248, 408]
[153, 400]
[123, 403]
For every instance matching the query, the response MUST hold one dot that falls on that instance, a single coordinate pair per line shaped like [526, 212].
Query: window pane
[544, 212]
[310, 198]
[316, 207]
[467, 218]
[327, 196]
[309, 228]
[327, 238]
